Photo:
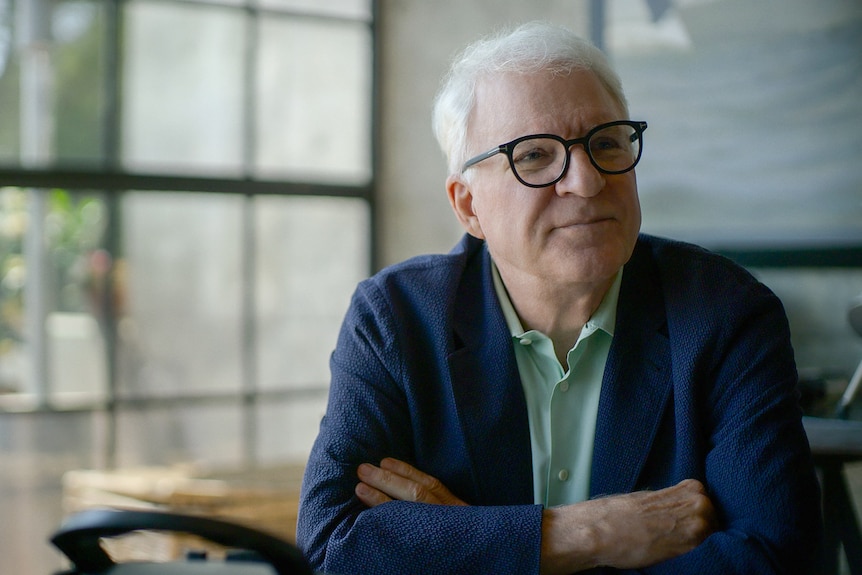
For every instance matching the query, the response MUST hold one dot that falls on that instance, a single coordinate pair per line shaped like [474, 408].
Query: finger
[409, 472]
[706, 520]
[401, 481]
[691, 514]
[692, 485]
[370, 496]
[431, 489]
[700, 504]
[391, 484]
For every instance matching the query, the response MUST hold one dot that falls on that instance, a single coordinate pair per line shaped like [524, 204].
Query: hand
[628, 531]
[396, 480]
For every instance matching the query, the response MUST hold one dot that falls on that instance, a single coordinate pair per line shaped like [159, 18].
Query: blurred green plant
[13, 227]
[73, 230]
[74, 227]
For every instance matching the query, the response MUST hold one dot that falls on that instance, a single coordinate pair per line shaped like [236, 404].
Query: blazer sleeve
[736, 396]
[370, 416]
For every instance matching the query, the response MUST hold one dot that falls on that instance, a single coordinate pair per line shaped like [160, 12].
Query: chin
[597, 262]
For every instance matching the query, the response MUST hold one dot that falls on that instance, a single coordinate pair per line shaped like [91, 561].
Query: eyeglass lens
[540, 161]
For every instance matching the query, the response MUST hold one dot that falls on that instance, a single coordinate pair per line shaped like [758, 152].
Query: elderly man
[558, 393]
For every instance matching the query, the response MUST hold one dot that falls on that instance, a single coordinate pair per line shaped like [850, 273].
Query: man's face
[581, 229]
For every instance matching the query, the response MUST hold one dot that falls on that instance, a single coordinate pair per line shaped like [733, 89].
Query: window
[757, 110]
[185, 208]
[755, 115]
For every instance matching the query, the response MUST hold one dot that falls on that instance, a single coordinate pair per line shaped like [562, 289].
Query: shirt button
[563, 475]
[526, 341]
[564, 386]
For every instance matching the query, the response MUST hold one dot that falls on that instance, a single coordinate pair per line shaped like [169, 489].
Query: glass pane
[51, 83]
[78, 31]
[313, 113]
[66, 272]
[360, 9]
[9, 87]
[79, 270]
[755, 114]
[183, 88]
[287, 429]
[311, 253]
[208, 435]
[181, 332]
[13, 274]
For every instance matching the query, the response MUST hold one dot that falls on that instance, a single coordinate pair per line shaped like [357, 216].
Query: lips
[585, 222]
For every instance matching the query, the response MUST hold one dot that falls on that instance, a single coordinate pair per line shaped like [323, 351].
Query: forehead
[511, 105]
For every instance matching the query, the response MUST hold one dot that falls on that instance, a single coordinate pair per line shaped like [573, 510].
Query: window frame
[111, 180]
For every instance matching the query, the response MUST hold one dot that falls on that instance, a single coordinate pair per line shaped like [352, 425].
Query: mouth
[586, 222]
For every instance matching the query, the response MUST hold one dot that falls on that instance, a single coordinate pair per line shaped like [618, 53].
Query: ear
[461, 199]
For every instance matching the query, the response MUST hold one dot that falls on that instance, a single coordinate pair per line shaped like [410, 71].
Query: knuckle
[434, 484]
[393, 465]
[693, 485]
[702, 505]
[703, 508]
[385, 476]
[417, 493]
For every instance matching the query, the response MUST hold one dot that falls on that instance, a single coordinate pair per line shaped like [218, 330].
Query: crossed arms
[625, 531]
[726, 483]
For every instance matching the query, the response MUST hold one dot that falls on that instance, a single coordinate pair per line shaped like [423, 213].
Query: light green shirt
[562, 406]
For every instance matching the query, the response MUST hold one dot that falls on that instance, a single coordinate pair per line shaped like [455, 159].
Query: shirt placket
[564, 425]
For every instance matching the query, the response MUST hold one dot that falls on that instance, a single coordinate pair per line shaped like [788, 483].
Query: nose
[581, 178]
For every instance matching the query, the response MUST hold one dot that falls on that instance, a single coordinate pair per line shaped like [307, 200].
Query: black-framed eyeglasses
[542, 160]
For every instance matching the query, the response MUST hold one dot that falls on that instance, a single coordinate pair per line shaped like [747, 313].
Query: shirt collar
[604, 317]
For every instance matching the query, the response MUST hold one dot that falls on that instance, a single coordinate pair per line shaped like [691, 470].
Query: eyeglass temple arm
[475, 160]
[642, 126]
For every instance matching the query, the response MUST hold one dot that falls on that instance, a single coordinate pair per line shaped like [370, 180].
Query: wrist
[570, 543]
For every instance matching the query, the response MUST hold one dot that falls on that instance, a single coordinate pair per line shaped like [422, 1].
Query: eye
[536, 153]
[612, 140]
[532, 155]
[605, 143]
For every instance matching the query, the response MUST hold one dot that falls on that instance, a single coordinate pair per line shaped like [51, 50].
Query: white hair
[528, 49]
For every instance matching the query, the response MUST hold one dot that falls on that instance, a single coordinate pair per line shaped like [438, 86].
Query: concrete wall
[417, 40]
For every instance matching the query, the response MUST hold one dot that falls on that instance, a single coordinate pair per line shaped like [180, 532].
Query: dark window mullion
[119, 180]
[249, 351]
[111, 126]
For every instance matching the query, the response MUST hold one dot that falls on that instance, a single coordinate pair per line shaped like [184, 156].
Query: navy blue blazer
[700, 383]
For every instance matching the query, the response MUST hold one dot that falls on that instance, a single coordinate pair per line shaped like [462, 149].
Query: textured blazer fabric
[700, 383]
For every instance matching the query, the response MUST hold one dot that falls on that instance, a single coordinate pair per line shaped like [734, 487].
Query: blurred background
[190, 190]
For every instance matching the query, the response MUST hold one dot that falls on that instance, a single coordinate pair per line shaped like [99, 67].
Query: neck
[557, 310]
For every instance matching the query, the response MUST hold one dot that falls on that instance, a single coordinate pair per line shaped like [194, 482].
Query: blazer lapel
[487, 390]
[637, 384]
[490, 402]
